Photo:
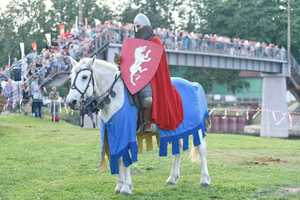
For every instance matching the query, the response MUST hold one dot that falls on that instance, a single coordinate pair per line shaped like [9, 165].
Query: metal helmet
[140, 21]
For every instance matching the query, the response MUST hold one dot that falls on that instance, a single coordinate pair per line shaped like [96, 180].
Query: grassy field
[43, 160]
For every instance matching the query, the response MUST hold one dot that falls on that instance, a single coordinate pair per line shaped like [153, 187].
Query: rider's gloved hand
[117, 59]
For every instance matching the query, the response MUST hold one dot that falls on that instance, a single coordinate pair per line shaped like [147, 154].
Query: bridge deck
[231, 62]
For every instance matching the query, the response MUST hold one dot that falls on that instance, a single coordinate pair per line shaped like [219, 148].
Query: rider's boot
[147, 124]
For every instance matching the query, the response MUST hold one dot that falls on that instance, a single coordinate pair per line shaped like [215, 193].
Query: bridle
[73, 86]
[91, 79]
[94, 102]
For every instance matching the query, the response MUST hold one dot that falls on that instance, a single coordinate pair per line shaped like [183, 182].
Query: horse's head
[82, 81]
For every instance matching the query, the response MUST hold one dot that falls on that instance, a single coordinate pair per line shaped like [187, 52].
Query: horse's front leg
[205, 178]
[121, 178]
[175, 171]
[127, 184]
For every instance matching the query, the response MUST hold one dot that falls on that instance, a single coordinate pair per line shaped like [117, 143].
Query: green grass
[43, 160]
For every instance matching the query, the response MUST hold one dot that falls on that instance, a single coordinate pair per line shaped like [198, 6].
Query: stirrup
[148, 127]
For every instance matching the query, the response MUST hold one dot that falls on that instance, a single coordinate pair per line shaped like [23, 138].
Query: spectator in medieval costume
[160, 100]
[54, 96]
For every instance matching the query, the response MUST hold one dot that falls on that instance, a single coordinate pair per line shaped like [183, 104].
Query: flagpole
[80, 14]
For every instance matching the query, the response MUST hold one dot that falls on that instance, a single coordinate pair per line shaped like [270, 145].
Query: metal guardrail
[116, 36]
[203, 46]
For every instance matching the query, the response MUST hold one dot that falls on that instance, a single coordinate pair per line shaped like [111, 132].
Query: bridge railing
[117, 36]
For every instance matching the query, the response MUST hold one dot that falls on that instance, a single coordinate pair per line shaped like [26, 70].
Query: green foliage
[28, 20]
[206, 77]
[67, 10]
[63, 11]
[160, 12]
[22, 21]
[44, 160]
[259, 20]
[128, 14]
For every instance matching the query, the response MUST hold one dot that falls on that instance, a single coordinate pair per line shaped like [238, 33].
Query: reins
[93, 103]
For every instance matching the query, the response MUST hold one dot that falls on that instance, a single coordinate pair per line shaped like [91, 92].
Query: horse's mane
[104, 64]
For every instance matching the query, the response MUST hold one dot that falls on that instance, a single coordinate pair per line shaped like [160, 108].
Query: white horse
[92, 77]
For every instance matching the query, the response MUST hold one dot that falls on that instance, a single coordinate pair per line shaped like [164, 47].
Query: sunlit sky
[3, 3]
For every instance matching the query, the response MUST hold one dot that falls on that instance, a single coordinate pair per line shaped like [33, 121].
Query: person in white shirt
[37, 97]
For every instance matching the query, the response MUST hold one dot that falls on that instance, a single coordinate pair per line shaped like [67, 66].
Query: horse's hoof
[172, 180]
[117, 191]
[118, 188]
[204, 184]
[126, 190]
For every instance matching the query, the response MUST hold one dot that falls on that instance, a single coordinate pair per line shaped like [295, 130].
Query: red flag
[61, 28]
[34, 46]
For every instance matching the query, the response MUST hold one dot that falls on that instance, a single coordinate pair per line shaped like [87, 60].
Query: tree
[160, 12]
[67, 10]
[94, 9]
[260, 20]
[28, 20]
[22, 21]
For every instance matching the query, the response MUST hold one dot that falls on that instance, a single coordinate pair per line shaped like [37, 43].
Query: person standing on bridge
[159, 99]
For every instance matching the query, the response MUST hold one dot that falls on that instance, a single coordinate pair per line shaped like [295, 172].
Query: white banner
[76, 23]
[8, 60]
[22, 48]
[97, 22]
[48, 38]
[86, 23]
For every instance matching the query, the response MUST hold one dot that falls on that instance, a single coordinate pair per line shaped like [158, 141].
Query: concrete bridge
[277, 75]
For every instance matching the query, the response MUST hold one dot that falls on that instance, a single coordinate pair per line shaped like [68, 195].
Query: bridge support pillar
[274, 121]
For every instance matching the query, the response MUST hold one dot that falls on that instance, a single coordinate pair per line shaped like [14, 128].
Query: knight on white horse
[105, 72]
[140, 57]
[99, 79]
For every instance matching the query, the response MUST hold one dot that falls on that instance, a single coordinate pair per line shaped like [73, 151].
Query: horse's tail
[194, 155]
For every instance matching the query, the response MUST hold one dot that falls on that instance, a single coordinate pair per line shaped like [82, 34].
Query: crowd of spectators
[182, 40]
[213, 43]
[10, 93]
[84, 41]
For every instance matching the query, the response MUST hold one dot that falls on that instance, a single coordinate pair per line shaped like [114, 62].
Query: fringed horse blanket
[121, 128]
[194, 115]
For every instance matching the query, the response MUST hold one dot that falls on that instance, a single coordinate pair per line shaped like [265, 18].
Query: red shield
[140, 60]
